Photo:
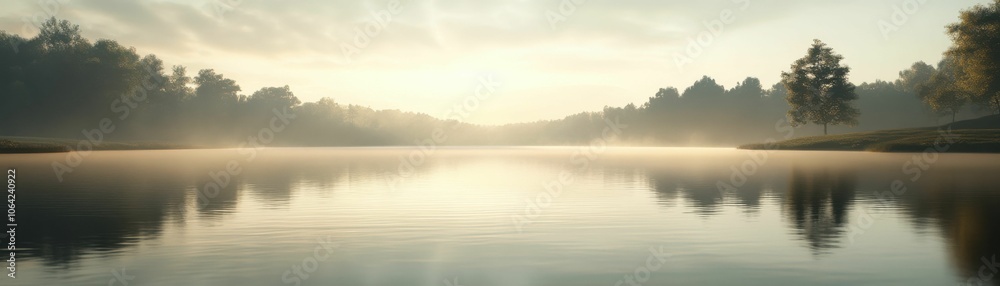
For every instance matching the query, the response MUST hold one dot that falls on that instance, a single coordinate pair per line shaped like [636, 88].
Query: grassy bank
[52, 145]
[980, 135]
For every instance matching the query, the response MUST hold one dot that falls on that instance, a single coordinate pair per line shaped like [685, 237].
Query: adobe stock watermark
[913, 169]
[364, 34]
[982, 276]
[553, 189]
[757, 159]
[221, 179]
[301, 271]
[713, 30]
[452, 282]
[120, 277]
[123, 106]
[32, 24]
[654, 261]
[219, 8]
[486, 87]
[900, 16]
[562, 12]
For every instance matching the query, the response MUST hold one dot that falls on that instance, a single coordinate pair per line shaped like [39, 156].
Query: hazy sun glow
[429, 55]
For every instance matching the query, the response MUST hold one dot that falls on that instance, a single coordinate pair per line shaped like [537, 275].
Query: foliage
[942, 93]
[911, 79]
[976, 51]
[818, 89]
[59, 83]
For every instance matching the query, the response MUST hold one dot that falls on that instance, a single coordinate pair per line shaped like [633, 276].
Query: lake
[507, 216]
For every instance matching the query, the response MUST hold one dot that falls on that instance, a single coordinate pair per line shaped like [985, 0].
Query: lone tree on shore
[977, 53]
[818, 89]
[941, 92]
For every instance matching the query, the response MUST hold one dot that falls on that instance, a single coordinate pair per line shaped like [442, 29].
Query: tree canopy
[59, 83]
[976, 52]
[818, 89]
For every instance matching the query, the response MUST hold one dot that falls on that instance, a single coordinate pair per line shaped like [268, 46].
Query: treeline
[58, 83]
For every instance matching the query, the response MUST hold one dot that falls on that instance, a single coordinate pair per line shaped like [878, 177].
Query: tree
[777, 90]
[663, 99]
[911, 79]
[111, 71]
[85, 74]
[59, 35]
[215, 106]
[704, 89]
[668, 93]
[976, 51]
[745, 94]
[215, 88]
[268, 98]
[941, 92]
[176, 87]
[818, 89]
[13, 92]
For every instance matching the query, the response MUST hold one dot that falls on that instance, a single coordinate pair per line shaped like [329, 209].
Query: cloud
[613, 44]
[436, 30]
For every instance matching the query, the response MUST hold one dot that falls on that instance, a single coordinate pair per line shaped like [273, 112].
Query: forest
[59, 84]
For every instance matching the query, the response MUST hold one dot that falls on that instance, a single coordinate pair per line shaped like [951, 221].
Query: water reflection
[964, 206]
[701, 189]
[701, 193]
[960, 203]
[61, 222]
[816, 203]
[115, 202]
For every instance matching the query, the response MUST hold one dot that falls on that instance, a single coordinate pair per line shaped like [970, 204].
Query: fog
[62, 85]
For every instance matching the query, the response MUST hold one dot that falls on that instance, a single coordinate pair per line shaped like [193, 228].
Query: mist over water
[556, 142]
[494, 216]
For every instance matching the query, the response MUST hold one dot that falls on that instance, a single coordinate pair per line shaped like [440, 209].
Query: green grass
[52, 145]
[973, 136]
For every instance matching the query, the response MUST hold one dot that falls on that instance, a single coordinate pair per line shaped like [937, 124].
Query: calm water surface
[501, 216]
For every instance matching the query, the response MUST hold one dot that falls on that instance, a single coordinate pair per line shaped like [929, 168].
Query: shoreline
[37, 145]
[980, 135]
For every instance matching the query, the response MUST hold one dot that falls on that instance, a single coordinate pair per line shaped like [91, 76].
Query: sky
[546, 58]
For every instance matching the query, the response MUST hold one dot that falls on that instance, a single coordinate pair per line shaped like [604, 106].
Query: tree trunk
[824, 129]
[996, 104]
[953, 116]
